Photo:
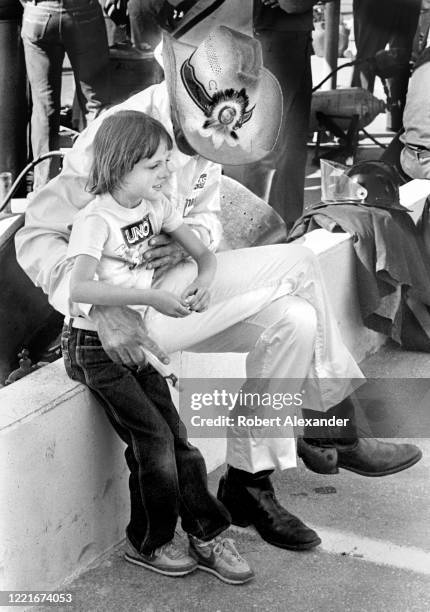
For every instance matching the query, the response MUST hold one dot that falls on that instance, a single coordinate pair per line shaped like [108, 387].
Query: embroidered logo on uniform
[137, 232]
[189, 203]
[201, 181]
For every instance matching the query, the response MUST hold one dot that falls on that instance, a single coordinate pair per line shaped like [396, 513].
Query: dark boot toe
[371, 457]
[255, 503]
[283, 529]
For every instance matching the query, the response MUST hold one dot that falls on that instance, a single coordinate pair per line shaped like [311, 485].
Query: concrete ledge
[413, 196]
[64, 480]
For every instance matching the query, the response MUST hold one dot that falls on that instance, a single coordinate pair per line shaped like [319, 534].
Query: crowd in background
[85, 30]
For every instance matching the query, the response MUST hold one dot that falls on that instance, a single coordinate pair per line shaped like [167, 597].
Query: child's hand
[167, 303]
[196, 296]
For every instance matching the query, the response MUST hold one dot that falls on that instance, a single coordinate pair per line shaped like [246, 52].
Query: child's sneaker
[168, 559]
[220, 557]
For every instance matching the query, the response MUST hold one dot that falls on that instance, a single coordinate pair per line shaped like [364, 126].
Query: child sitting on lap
[107, 245]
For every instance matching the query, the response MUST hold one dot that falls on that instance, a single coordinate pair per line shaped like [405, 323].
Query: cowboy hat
[227, 104]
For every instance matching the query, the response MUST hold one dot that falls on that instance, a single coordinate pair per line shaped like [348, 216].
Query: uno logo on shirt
[137, 232]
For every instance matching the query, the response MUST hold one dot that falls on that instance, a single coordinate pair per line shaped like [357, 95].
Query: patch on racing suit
[189, 204]
[201, 181]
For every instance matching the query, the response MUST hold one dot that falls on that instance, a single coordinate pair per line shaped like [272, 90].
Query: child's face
[149, 175]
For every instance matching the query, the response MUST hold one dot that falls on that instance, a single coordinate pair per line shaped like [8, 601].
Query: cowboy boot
[365, 456]
[317, 457]
[251, 500]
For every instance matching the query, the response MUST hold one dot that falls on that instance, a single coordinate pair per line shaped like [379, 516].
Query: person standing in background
[422, 33]
[415, 156]
[51, 28]
[145, 30]
[286, 42]
[148, 19]
[376, 25]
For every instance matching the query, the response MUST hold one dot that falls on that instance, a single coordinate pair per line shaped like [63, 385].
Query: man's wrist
[184, 255]
[96, 314]
[100, 313]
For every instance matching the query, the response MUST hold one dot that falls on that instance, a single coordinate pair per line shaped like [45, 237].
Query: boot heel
[238, 519]
[318, 459]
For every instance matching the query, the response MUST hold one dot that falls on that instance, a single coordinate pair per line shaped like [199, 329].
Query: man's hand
[163, 254]
[124, 336]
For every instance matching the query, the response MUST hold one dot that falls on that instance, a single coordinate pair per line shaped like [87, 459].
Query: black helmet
[381, 182]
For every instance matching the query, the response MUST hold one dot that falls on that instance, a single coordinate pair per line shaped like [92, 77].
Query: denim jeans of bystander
[50, 29]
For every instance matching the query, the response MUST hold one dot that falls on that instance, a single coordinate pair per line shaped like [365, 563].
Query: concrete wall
[63, 483]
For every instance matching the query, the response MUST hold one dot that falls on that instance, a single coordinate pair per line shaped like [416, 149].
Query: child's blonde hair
[121, 141]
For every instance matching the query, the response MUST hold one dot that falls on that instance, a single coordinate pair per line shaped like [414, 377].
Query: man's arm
[124, 336]
[202, 218]
[41, 245]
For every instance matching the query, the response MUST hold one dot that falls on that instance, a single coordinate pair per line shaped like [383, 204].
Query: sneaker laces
[226, 544]
[219, 545]
[170, 549]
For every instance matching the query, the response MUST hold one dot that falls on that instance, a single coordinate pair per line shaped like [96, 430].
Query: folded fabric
[392, 269]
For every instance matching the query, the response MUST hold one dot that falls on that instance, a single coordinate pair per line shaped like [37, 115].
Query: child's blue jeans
[168, 475]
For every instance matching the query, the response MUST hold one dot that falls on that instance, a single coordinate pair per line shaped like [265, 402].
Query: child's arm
[197, 294]
[84, 289]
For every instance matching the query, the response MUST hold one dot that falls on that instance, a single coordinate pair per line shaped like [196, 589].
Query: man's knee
[306, 259]
[301, 320]
[294, 321]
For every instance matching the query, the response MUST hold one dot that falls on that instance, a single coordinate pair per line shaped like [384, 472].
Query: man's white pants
[271, 303]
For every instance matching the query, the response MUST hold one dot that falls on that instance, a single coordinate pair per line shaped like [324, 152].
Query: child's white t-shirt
[118, 237]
